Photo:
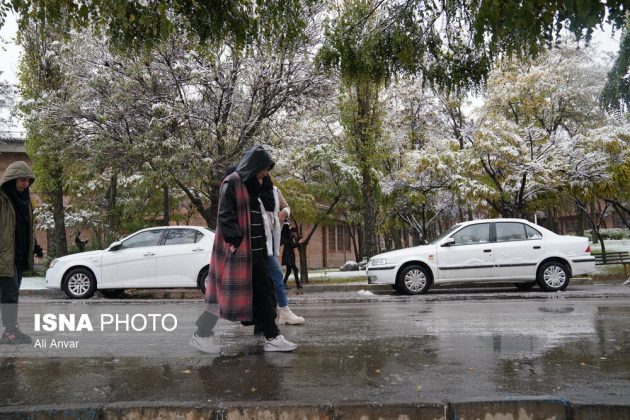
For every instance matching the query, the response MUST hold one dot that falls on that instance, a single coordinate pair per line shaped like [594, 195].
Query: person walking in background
[290, 240]
[17, 245]
[238, 286]
[277, 211]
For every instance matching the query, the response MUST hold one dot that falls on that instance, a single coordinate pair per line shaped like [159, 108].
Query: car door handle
[487, 250]
[537, 247]
[198, 250]
[149, 254]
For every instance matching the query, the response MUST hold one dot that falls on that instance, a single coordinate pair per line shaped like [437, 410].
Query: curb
[271, 410]
[307, 289]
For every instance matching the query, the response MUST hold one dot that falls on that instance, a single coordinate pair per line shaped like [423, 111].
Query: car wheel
[413, 280]
[525, 286]
[112, 293]
[201, 280]
[553, 276]
[79, 283]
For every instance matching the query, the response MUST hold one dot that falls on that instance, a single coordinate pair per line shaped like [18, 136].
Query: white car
[168, 256]
[491, 250]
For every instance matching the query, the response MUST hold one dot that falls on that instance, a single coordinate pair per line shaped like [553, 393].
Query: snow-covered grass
[612, 272]
[612, 245]
[334, 276]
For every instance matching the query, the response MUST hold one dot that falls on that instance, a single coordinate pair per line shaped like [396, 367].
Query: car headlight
[53, 262]
[378, 261]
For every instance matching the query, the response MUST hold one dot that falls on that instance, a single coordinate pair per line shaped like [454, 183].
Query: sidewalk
[37, 283]
[34, 287]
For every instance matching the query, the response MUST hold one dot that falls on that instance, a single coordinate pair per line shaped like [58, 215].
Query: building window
[341, 235]
[332, 241]
[338, 238]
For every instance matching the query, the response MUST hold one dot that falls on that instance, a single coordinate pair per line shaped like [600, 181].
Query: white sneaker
[279, 344]
[287, 317]
[205, 344]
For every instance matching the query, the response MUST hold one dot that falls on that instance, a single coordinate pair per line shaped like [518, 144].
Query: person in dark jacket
[238, 286]
[290, 240]
[16, 245]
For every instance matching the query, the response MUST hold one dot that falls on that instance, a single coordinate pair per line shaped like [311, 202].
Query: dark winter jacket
[9, 221]
[289, 242]
[229, 281]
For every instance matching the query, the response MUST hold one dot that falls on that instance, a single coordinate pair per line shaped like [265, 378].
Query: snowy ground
[617, 245]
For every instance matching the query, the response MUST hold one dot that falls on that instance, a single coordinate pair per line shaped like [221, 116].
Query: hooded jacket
[16, 170]
[229, 281]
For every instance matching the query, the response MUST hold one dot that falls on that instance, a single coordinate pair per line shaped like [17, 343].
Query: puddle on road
[388, 353]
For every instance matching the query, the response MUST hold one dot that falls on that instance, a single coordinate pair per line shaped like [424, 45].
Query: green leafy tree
[535, 112]
[141, 25]
[176, 116]
[616, 94]
[40, 82]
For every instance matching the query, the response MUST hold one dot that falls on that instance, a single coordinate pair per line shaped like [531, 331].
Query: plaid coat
[229, 281]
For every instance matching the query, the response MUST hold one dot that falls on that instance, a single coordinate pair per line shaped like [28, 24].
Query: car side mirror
[448, 242]
[115, 246]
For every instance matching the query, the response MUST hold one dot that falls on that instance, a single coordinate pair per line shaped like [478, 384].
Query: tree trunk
[621, 211]
[362, 123]
[59, 233]
[396, 234]
[111, 232]
[369, 215]
[303, 263]
[360, 241]
[165, 206]
[209, 214]
[580, 221]
[595, 232]
[95, 234]
[351, 231]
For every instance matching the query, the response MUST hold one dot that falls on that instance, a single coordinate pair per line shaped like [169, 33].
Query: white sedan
[168, 256]
[490, 250]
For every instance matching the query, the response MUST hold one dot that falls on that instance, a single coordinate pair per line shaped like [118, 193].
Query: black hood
[253, 161]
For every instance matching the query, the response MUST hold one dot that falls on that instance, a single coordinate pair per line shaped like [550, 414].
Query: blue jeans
[275, 270]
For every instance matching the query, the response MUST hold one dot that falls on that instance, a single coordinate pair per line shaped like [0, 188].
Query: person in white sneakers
[278, 211]
[238, 286]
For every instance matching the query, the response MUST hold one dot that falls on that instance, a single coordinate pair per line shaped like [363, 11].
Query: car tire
[112, 293]
[553, 276]
[79, 283]
[413, 280]
[201, 280]
[525, 286]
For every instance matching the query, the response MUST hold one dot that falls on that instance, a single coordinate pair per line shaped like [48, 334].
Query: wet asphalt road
[354, 347]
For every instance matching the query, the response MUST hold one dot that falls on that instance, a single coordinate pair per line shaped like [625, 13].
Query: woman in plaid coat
[238, 281]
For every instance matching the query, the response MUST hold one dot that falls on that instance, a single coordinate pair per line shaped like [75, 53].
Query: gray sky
[9, 53]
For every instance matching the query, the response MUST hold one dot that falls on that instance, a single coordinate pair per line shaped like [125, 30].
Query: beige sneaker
[287, 317]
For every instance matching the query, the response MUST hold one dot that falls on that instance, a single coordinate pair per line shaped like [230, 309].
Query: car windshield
[444, 234]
